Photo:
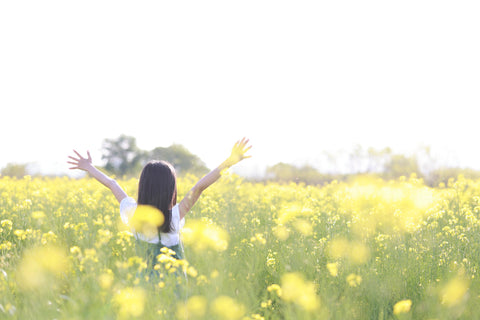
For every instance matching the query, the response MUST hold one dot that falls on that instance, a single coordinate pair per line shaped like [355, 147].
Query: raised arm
[237, 155]
[85, 164]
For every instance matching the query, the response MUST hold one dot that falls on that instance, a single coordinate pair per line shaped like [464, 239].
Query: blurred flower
[303, 226]
[292, 211]
[130, 302]
[454, 292]
[40, 267]
[338, 248]
[146, 220]
[49, 237]
[38, 215]
[103, 237]
[332, 269]
[355, 252]
[281, 232]
[194, 308]
[227, 308]
[258, 238]
[91, 255]
[358, 253]
[295, 289]
[214, 274]
[402, 306]
[105, 279]
[354, 280]
[201, 236]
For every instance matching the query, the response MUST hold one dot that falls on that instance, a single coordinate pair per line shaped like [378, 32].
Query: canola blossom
[402, 306]
[363, 249]
[146, 220]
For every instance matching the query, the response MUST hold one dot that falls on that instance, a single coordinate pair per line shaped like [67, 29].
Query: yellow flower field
[366, 249]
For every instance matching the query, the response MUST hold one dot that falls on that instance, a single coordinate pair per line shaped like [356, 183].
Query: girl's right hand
[81, 162]
[238, 152]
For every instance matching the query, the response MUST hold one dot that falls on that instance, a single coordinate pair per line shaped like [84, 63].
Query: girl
[157, 187]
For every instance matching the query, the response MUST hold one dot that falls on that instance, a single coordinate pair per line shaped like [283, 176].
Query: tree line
[123, 158]
[385, 165]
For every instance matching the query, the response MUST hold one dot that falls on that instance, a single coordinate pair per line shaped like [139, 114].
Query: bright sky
[296, 77]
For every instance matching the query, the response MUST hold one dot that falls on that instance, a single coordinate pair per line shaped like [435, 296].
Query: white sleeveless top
[127, 208]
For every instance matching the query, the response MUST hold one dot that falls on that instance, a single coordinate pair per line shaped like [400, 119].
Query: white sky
[296, 77]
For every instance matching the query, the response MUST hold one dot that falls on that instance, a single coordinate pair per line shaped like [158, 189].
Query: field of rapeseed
[366, 249]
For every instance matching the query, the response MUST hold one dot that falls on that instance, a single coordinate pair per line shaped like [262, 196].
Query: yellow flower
[75, 251]
[354, 252]
[303, 226]
[105, 280]
[49, 237]
[258, 238]
[146, 220]
[227, 308]
[354, 280]
[195, 308]
[332, 269]
[38, 215]
[295, 289]
[454, 292]
[338, 248]
[130, 302]
[41, 267]
[358, 253]
[7, 245]
[275, 288]
[91, 255]
[192, 272]
[7, 224]
[21, 234]
[214, 274]
[103, 237]
[201, 236]
[290, 212]
[281, 232]
[402, 306]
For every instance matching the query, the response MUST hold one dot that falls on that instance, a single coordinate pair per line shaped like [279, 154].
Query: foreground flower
[130, 302]
[227, 308]
[454, 292]
[402, 306]
[41, 267]
[146, 220]
[295, 289]
[196, 307]
[201, 236]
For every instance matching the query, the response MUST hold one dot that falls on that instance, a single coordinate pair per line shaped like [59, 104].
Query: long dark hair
[158, 187]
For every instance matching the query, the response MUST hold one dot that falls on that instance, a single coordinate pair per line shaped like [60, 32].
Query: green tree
[182, 159]
[122, 155]
[400, 165]
[283, 172]
[15, 170]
